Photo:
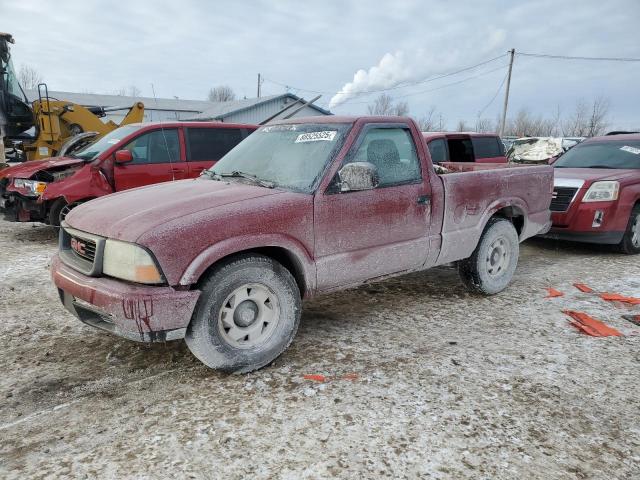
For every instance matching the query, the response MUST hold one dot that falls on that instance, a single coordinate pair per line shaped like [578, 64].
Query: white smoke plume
[400, 67]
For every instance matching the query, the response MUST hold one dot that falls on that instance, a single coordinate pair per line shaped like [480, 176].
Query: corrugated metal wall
[258, 113]
[254, 114]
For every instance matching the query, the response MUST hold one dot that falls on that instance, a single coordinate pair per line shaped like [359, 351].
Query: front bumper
[579, 224]
[137, 312]
[608, 238]
[17, 208]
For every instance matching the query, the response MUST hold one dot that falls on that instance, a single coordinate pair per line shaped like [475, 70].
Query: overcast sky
[185, 47]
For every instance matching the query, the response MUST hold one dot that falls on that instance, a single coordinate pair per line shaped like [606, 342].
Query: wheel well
[281, 255]
[514, 215]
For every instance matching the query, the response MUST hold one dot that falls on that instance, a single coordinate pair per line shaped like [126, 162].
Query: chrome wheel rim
[635, 231]
[248, 316]
[498, 257]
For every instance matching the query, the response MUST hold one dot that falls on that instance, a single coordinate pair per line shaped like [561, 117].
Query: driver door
[361, 235]
[156, 158]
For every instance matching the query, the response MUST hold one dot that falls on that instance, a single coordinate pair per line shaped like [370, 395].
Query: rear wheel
[630, 243]
[491, 266]
[246, 316]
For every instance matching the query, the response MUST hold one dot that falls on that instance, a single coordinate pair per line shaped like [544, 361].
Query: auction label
[326, 136]
[633, 150]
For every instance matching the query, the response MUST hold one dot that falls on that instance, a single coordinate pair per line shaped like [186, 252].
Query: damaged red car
[131, 156]
[299, 208]
[596, 198]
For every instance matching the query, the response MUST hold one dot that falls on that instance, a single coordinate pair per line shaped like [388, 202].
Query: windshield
[617, 154]
[9, 73]
[91, 151]
[288, 156]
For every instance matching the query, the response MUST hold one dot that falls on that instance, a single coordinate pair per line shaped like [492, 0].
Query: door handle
[424, 199]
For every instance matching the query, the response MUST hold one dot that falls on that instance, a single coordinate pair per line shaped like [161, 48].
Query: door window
[460, 150]
[438, 150]
[487, 147]
[211, 143]
[393, 153]
[158, 146]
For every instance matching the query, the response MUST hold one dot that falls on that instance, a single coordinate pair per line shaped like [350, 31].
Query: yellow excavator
[55, 121]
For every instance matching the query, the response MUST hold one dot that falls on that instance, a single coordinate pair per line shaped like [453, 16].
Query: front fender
[230, 246]
[87, 182]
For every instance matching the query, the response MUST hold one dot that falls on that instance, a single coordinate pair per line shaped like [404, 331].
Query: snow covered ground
[422, 380]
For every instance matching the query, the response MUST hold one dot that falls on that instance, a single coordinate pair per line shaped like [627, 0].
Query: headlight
[129, 262]
[32, 186]
[602, 192]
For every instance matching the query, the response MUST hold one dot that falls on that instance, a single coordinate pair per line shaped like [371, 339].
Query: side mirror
[358, 176]
[123, 156]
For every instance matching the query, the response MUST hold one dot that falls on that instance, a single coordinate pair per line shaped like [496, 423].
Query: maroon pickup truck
[299, 208]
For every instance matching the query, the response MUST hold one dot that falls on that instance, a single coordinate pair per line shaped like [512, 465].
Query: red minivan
[465, 147]
[131, 156]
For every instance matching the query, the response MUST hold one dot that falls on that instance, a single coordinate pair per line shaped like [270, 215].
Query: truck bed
[474, 192]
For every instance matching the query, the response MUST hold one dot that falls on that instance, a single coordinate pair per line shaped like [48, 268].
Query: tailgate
[474, 192]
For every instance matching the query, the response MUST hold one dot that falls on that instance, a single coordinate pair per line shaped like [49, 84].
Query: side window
[438, 150]
[393, 153]
[158, 146]
[486, 147]
[211, 143]
[460, 150]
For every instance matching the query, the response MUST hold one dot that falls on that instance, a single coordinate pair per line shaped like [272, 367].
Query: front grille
[83, 248]
[81, 251]
[562, 197]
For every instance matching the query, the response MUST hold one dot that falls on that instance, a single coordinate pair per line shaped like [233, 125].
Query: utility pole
[259, 82]
[506, 92]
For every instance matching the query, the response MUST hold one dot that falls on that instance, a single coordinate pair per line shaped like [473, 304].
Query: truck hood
[128, 215]
[590, 175]
[27, 169]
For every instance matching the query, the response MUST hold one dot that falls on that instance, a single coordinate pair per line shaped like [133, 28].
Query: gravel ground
[422, 381]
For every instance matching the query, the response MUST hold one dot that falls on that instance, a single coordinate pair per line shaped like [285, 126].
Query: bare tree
[134, 91]
[223, 93]
[29, 77]
[384, 106]
[462, 126]
[575, 125]
[597, 119]
[485, 125]
[121, 92]
[427, 122]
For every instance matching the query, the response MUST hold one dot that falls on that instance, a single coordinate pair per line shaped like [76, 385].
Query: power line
[569, 57]
[403, 85]
[433, 89]
[480, 112]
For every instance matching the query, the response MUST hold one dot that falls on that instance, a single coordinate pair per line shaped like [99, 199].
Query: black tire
[207, 336]
[630, 243]
[59, 210]
[492, 264]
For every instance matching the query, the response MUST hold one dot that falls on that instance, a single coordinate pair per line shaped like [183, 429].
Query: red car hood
[590, 175]
[26, 169]
[128, 215]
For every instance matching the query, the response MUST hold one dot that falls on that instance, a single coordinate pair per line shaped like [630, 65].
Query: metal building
[249, 110]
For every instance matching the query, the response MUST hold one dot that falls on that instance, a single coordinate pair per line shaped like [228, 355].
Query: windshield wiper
[248, 176]
[601, 166]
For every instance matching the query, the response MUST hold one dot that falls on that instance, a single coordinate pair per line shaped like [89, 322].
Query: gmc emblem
[78, 246]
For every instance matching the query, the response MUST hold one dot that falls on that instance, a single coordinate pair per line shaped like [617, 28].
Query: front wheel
[59, 210]
[630, 243]
[246, 316]
[492, 264]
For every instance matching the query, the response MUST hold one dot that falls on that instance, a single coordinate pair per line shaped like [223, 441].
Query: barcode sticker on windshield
[326, 136]
[633, 150]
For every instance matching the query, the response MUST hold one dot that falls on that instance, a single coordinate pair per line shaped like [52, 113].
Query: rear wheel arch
[512, 213]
